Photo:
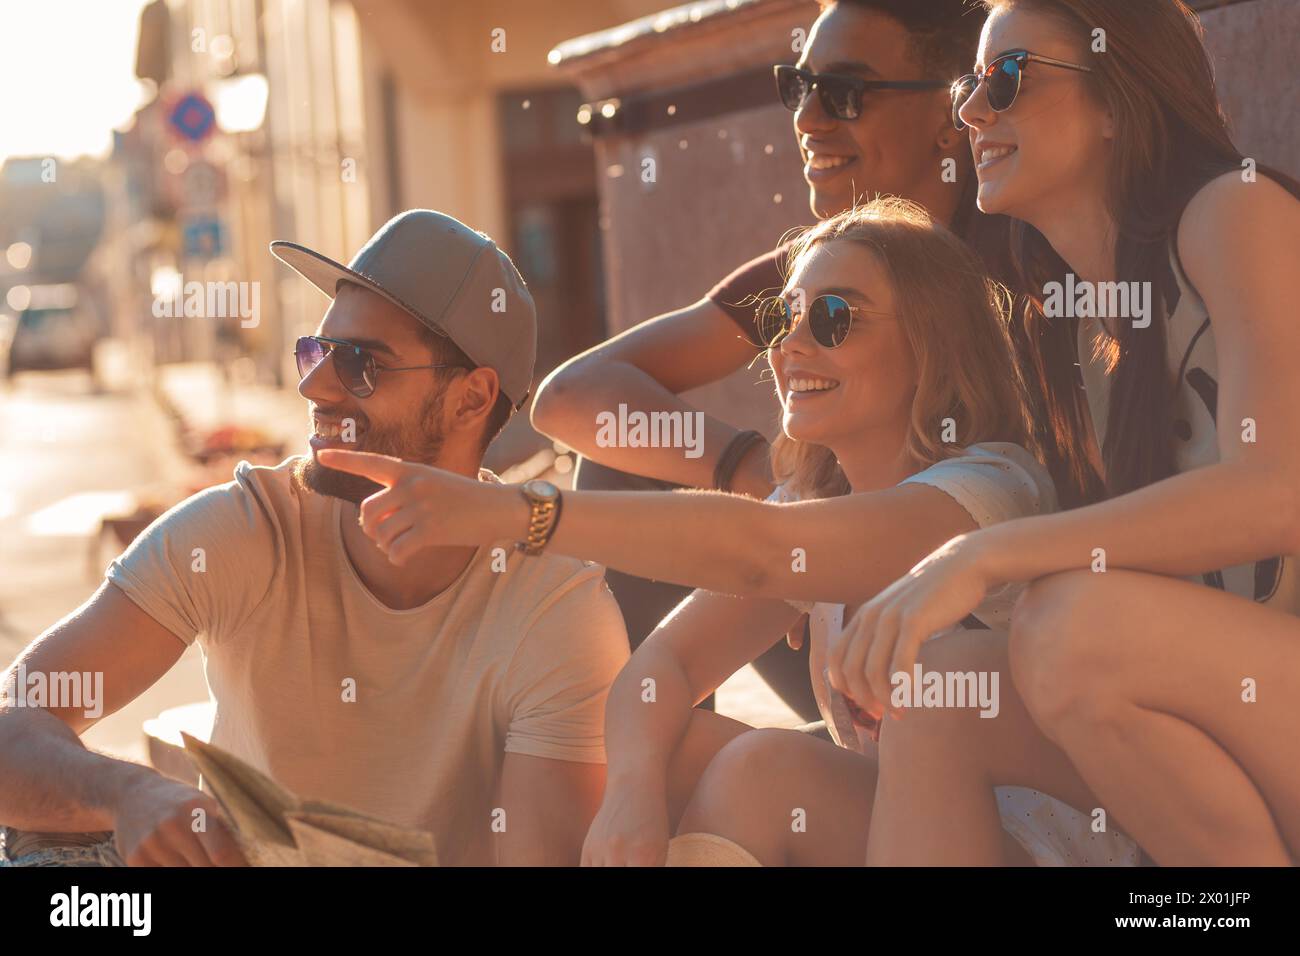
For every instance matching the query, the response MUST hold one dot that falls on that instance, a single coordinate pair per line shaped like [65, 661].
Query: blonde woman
[901, 415]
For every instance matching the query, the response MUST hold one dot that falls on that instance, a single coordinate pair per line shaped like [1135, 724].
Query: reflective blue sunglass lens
[1004, 84]
[308, 353]
[830, 318]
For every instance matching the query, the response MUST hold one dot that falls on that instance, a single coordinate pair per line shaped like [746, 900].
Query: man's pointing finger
[381, 468]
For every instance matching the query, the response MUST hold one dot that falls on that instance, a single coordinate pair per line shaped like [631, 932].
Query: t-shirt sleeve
[738, 294]
[994, 482]
[204, 565]
[571, 652]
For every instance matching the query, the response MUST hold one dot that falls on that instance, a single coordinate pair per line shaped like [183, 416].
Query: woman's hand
[886, 634]
[424, 507]
[630, 829]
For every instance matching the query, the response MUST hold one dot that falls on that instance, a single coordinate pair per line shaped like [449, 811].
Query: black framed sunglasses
[841, 95]
[355, 366]
[1002, 79]
[829, 319]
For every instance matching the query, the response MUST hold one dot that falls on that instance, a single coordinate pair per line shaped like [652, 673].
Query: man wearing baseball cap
[461, 693]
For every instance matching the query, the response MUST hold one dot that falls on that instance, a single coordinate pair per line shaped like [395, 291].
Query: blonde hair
[955, 320]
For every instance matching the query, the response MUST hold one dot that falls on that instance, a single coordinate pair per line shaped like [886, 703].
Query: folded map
[275, 827]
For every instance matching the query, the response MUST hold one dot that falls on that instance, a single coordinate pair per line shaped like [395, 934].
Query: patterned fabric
[1055, 834]
[20, 848]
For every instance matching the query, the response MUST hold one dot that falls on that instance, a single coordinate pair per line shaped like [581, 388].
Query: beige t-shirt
[503, 661]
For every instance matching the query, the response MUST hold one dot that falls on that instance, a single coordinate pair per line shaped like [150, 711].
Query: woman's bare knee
[787, 797]
[1054, 646]
[706, 736]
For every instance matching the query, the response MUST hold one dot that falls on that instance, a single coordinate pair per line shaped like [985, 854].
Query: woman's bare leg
[787, 797]
[935, 802]
[1140, 678]
[705, 736]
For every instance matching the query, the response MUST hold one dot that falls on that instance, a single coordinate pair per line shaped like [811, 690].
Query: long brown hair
[954, 318]
[1171, 139]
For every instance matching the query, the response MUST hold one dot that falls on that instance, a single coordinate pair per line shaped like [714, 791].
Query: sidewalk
[202, 399]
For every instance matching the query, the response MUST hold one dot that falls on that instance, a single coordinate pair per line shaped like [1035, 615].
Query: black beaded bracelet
[731, 457]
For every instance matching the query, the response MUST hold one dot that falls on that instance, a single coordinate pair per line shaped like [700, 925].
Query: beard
[419, 438]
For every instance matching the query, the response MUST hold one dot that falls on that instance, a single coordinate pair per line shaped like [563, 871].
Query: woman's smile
[802, 387]
[988, 155]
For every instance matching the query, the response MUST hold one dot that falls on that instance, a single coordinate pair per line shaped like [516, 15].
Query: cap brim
[326, 274]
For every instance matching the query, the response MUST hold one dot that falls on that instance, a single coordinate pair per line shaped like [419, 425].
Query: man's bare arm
[549, 805]
[53, 783]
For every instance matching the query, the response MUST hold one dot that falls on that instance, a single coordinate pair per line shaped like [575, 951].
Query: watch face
[543, 489]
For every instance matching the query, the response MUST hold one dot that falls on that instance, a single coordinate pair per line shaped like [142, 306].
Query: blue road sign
[193, 117]
[203, 237]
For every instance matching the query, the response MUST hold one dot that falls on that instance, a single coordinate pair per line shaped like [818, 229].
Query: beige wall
[1255, 47]
[327, 62]
[668, 242]
[448, 154]
[448, 80]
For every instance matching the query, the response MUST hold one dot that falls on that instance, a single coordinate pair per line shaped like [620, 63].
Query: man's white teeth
[812, 384]
[326, 430]
[991, 153]
[827, 162]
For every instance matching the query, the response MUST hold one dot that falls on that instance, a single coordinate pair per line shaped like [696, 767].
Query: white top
[994, 482]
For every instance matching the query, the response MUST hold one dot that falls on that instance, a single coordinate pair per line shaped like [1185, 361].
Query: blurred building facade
[329, 117]
[332, 115]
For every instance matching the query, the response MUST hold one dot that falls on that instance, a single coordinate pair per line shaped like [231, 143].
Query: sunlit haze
[68, 69]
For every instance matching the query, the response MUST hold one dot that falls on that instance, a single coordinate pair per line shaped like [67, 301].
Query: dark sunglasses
[829, 320]
[1002, 79]
[841, 96]
[355, 366]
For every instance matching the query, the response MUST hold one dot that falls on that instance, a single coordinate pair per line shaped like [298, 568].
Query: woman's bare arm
[656, 743]
[646, 368]
[837, 549]
[1238, 245]
[706, 639]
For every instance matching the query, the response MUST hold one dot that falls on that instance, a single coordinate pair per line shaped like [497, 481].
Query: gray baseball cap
[448, 276]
